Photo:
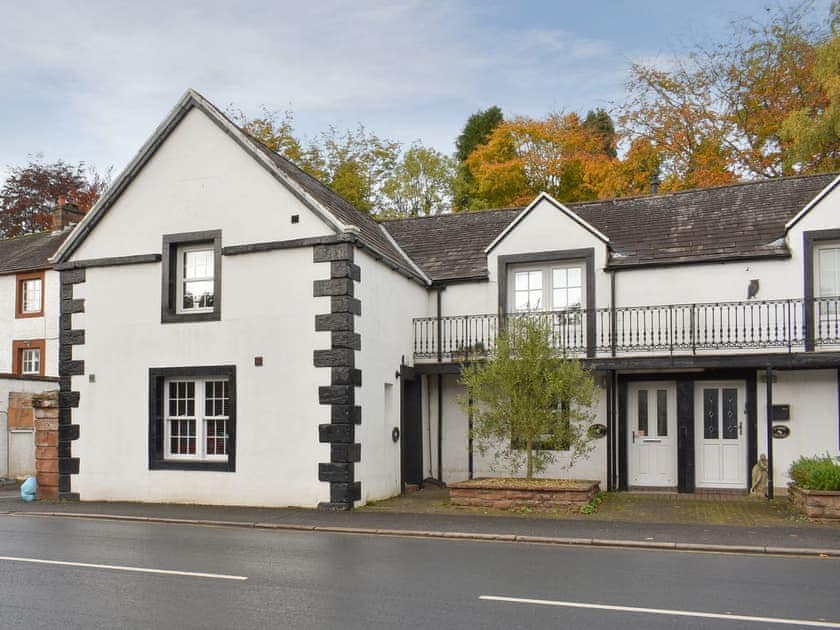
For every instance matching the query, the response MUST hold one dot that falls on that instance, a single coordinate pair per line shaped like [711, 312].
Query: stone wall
[45, 412]
[816, 503]
[544, 499]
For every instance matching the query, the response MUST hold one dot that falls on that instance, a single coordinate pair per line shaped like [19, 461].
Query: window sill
[172, 464]
[168, 317]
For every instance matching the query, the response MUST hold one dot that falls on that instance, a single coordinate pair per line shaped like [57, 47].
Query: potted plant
[815, 486]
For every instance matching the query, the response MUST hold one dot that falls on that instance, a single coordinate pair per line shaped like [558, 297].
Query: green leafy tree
[528, 400]
[31, 193]
[476, 132]
[600, 124]
[814, 132]
[355, 164]
[421, 183]
[273, 128]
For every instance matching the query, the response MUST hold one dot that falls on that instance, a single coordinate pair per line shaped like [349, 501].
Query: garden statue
[759, 476]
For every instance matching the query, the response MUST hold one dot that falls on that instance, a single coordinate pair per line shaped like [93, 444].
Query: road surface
[73, 573]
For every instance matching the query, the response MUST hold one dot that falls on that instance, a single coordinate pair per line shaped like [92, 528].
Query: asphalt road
[147, 575]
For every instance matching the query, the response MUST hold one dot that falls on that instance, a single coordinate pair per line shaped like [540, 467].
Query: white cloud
[92, 79]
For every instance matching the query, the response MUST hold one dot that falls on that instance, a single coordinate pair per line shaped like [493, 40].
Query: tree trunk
[529, 466]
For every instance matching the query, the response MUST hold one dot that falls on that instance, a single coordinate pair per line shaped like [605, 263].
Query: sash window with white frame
[827, 288]
[30, 361]
[196, 289]
[828, 270]
[197, 412]
[548, 287]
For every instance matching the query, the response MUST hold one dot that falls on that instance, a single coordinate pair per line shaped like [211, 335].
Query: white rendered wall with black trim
[389, 301]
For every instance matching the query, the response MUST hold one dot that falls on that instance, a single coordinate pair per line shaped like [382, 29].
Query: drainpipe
[613, 314]
[440, 386]
[470, 468]
[609, 429]
[769, 432]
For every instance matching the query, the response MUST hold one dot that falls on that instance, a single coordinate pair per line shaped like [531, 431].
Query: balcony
[675, 329]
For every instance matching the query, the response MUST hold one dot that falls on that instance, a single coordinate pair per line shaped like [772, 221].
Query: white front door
[720, 438]
[652, 423]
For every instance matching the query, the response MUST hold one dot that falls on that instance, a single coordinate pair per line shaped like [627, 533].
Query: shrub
[816, 473]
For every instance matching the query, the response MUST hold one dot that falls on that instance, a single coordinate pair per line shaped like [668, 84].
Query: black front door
[412, 432]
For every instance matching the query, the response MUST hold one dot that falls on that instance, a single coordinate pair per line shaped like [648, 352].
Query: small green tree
[528, 400]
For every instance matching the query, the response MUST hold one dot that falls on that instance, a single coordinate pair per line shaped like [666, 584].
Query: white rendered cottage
[237, 333]
[219, 298]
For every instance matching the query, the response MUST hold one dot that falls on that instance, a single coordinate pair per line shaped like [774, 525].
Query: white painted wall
[199, 179]
[268, 311]
[45, 327]
[456, 443]
[389, 301]
[812, 396]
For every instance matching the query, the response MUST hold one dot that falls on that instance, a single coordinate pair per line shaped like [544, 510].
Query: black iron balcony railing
[794, 324]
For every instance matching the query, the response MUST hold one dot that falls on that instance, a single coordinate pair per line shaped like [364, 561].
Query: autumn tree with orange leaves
[719, 115]
[525, 156]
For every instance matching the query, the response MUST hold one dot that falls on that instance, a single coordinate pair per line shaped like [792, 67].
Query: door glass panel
[710, 414]
[643, 412]
[730, 414]
[662, 412]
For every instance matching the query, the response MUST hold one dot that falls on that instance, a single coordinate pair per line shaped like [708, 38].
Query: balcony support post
[769, 402]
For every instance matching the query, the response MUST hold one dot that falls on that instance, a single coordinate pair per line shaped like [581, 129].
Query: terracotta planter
[816, 503]
[489, 494]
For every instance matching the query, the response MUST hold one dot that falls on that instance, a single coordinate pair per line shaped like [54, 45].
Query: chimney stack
[65, 214]
[654, 183]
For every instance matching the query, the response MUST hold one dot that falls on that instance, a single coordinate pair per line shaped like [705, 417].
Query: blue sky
[91, 79]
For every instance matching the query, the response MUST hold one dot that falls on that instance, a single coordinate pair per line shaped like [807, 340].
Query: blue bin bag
[28, 489]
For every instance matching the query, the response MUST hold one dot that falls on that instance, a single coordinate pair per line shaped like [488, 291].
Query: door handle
[634, 436]
[740, 428]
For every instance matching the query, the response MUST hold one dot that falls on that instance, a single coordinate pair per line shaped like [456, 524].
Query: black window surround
[157, 377]
[810, 240]
[169, 282]
[586, 256]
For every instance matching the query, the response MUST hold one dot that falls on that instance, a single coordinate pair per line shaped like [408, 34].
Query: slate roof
[29, 252]
[338, 206]
[745, 220]
[451, 246]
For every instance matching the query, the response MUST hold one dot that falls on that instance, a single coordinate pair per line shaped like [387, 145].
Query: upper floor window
[550, 287]
[827, 270]
[30, 294]
[28, 357]
[196, 287]
[192, 269]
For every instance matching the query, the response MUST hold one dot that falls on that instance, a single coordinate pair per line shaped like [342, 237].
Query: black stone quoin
[67, 368]
[340, 394]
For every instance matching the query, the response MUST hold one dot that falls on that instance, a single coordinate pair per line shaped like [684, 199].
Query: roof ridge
[42, 233]
[688, 191]
[446, 215]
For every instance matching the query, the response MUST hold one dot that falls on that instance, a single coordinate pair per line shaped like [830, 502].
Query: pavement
[623, 520]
